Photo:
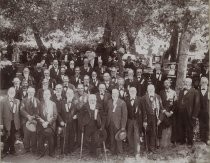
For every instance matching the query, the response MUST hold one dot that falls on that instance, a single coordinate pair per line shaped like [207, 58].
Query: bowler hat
[31, 125]
[120, 135]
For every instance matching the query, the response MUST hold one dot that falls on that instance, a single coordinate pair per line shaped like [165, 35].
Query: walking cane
[105, 151]
[81, 143]
[64, 137]
[145, 136]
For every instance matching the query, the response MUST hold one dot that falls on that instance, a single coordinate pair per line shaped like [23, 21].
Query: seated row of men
[68, 112]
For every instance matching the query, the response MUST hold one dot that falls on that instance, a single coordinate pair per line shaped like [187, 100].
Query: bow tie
[203, 89]
[102, 94]
[11, 100]
[132, 99]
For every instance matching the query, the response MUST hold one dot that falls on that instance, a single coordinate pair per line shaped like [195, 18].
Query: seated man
[46, 123]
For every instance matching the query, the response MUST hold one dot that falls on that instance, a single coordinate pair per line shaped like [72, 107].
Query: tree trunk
[174, 43]
[131, 41]
[183, 59]
[38, 38]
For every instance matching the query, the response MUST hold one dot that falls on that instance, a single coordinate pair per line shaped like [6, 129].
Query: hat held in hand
[31, 125]
[120, 135]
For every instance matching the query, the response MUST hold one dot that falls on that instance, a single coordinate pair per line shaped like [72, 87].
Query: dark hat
[100, 135]
[31, 125]
[120, 135]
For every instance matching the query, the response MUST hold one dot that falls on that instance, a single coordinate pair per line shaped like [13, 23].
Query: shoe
[4, 154]
[13, 153]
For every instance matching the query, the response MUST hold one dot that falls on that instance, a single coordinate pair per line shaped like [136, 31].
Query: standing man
[152, 104]
[188, 109]
[167, 129]
[28, 110]
[116, 120]
[204, 111]
[10, 119]
[136, 117]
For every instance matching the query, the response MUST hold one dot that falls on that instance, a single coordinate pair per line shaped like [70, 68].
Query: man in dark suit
[28, 110]
[52, 82]
[70, 70]
[17, 86]
[90, 122]
[77, 78]
[61, 75]
[116, 120]
[204, 111]
[46, 123]
[68, 132]
[88, 87]
[10, 119]
[86, 68]
[123, 92]
[94, 79]
[136, 117]
[108, 83]
[152, 104]
[141, 83]
[131, 81]
[169, 99]
[102, 98]
[55, 70]
[188, 109]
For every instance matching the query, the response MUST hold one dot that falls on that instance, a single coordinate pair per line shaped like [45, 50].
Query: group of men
[67, 107]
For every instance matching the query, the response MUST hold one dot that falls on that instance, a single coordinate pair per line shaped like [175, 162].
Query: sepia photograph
[110, 81]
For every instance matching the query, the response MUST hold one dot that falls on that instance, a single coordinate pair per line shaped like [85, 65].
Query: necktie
[132, 101]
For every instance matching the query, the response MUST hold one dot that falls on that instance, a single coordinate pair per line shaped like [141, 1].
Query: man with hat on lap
[28, 110]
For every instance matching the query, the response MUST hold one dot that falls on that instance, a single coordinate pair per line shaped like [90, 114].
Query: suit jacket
[119, 117]
[86, 119]
[74, 82]
[103, 103]
[122, 93]
[28, 108]
[136, 112]
[141, 86]
[70, 72]
[129, 83]
[80, 100]
[54, 74]
[66, 114]
[190, 101]
[52, 121]
[90, 89]
[110, 87]
[146, 105]
[204, 103]
[86, 72]
[6, 115]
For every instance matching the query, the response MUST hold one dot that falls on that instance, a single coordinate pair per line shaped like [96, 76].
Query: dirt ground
[200, 153]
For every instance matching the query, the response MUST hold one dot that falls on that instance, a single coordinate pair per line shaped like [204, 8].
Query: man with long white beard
[46, 123]
[28, 110]
[90, 122]
[188, 109]
[152, 104]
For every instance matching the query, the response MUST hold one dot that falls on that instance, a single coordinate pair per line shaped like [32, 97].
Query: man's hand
[45, 124]
[158, 123]
[141, 139]
[95, 114]
[62, 123]
[75, 117]
[167, 114]
[30, 118]
[145, 125]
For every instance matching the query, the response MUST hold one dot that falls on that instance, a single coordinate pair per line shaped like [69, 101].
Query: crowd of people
[77, 101]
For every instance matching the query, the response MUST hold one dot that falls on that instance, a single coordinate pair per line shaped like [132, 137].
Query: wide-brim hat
[101, 135]
[120, 135]
[31, 126]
